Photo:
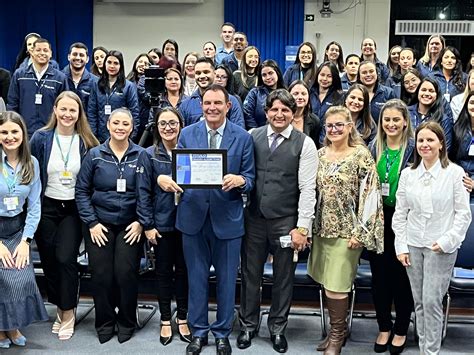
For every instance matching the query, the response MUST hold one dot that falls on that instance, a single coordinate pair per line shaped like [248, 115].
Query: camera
[154, 84]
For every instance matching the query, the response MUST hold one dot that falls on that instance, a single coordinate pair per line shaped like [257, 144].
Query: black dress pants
[114, 271]
[263, 236]
[58, 239]
[390, 283]
[172, 274]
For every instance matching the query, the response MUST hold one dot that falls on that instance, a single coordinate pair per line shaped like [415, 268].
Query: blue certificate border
[182, 157]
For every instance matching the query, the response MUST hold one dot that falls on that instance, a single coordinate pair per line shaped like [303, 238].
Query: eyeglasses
[239, 39]
[172, 124]
[306, 53]
[221, 77]
[338, 126]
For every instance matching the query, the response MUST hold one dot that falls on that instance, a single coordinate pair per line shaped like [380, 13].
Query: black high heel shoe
[187, 338]
[166, 340]
[397, 349]
[381, 348]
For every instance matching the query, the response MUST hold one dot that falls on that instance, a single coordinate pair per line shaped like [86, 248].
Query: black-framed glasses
[338, 126]
[172, 124]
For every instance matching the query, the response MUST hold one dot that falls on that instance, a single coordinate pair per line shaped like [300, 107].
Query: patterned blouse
[349, 200]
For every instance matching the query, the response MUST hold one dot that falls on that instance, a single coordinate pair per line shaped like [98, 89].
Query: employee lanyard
[388, 163]
[119, 166]
[65, 159]
[11, 181]
[108, 96]
[40, 87]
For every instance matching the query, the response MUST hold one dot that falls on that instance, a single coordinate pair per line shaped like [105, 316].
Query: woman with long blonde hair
[60, 147]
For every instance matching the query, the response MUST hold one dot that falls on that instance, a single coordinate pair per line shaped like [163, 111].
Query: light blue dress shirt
[30, 193]
[220, 133]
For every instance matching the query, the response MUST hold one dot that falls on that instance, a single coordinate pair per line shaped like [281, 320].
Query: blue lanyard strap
[65, 159]
[119, 166]
[11, 181]
[388, 162]
[109, 95]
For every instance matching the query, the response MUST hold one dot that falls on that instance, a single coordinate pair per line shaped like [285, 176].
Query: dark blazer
[225, 208]
[312, 128]
[407, 156]
[41, 145]
[5, 78]
[381, 95]
[446, 121]
[254, 107]
[23, 89]
[97, 198]
[155, 207]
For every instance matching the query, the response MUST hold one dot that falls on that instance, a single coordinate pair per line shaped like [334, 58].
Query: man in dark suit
[281, 204]
[212, 220]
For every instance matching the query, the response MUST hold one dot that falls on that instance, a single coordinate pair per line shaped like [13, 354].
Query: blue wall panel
[270, 25]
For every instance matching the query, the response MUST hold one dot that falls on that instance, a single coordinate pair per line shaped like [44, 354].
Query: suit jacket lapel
[201, 136]
[229, 137]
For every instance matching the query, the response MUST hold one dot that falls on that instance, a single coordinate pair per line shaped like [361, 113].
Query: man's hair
[78, 45]
[230, 24]
[217, 87]
[41, 40]
[284, 96]
[205, 60]
[240, 33]
[350, 56]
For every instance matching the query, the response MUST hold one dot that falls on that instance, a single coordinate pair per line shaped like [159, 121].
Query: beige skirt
[332, 264]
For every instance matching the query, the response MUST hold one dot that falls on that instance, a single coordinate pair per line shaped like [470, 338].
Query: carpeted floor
[303, 333]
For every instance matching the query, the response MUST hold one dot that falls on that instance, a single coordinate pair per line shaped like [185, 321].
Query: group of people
[340, 157]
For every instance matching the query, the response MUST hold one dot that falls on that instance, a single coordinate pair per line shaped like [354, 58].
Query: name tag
[471, 149]
[107, 109]
[11, 202]
[65, 177]
[385, 189]
[447, 97]
[121, 185]
[38, 99]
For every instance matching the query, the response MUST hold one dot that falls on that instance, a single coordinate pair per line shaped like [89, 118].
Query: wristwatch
[303, 231]
[28, 240]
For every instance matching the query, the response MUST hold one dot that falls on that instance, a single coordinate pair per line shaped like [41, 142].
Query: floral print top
[349, 199]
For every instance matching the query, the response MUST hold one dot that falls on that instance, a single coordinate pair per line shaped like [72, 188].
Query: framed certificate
[199, 168]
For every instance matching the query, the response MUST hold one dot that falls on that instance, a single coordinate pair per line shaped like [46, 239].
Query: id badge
[65, 177]
[385, 189]
[38, 99]
[11, 202]
[447, 97]
[121, 185]
[471, 150]
[107, 109]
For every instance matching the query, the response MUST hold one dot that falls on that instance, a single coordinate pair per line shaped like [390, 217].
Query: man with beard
[227, 48]
[233, 60]
[78, 77]
[34, 88]
[191, 108]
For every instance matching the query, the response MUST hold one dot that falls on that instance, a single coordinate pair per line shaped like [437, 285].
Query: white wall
[371, 18]
[135, 28]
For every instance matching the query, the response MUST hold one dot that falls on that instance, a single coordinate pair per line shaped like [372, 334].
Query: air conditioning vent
[447, 28]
